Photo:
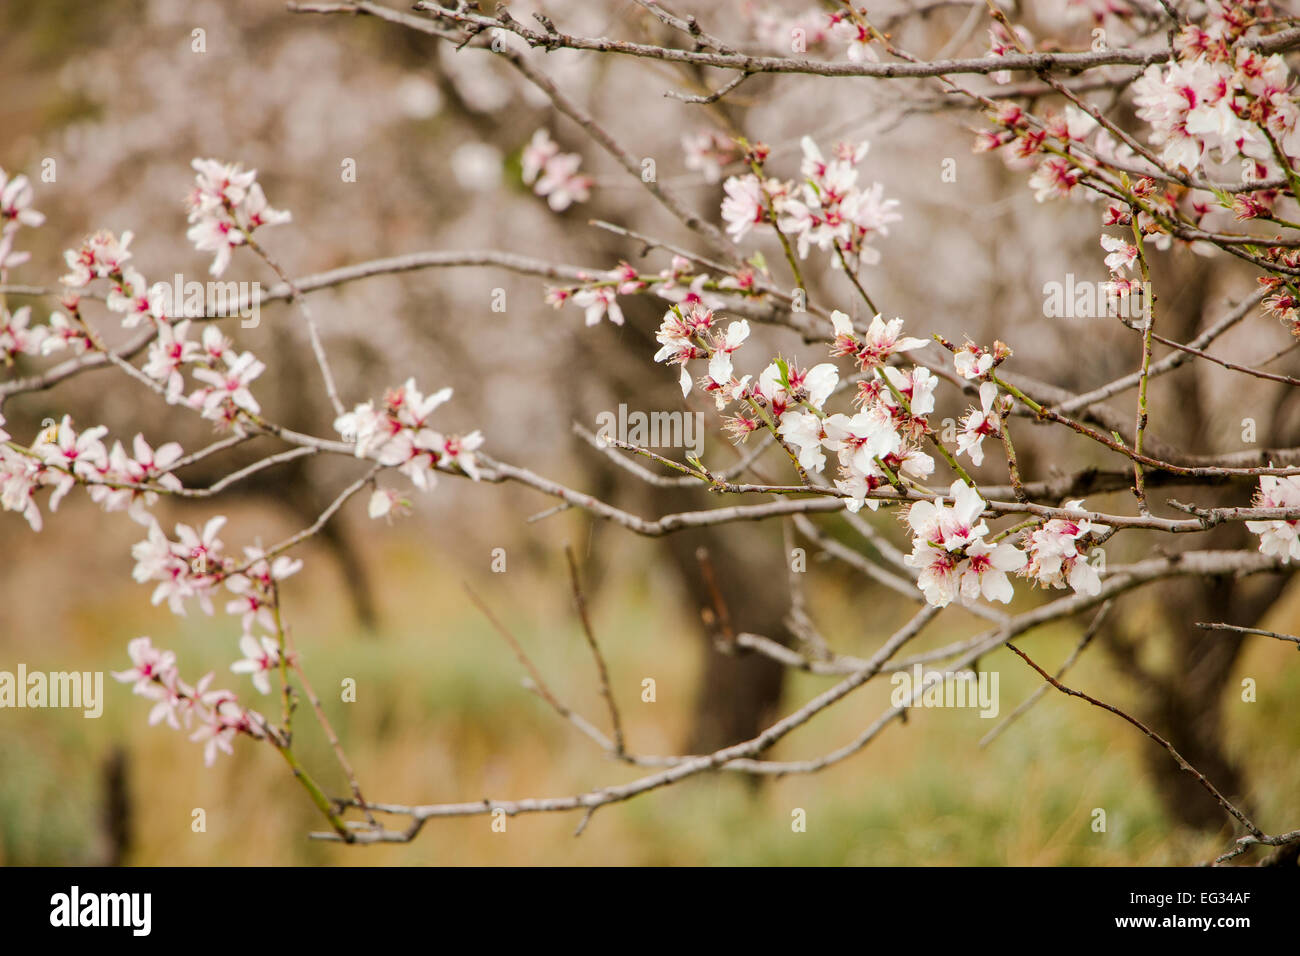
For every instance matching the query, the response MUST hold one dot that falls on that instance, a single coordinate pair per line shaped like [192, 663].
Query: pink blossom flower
[599, 302]
[743, 207]
[985, 570]
[950, 553]
[862, 438]
[216, 235]
[1280, 538]
[228, 389]
[150, 665]
[562, 184]
[385, 503]
[1054, 558]
[882, 340]
[168, 353]
[10, 257]
[100, 255]
[979, 424]
[130, 296]
[261, 656]
[16, 202]
[972, 362]
[74, 455]
[1055, 177]
[553, 174]
[917, 386]
[63, 334]
[541, 149]
[1122, 254]
[15, 336]
[720, 369]
[857, 38]
[188, 567]
[785, 388]
[225, 205]
[20, 476]
[147, 467]
[803, 430]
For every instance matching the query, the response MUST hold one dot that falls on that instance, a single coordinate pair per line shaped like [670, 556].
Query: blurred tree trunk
[737, 578]
[115, 810]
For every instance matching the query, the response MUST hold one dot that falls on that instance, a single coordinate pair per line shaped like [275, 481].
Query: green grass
[441, 716]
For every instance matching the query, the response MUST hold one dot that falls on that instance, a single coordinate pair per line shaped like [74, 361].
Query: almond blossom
[720, 369]
[857, 37]
[830, 211]
[599, 302]
[74, 456]
[189, 567]
[102, 254]
[949, 550]
[972, 362]
[20, 476]
[1122, 255]
[15, 212]
[169, 352]
[16, 337]
[227, 390]
[784, 385]
[401, 436]
[62, 334]
[16, 203]
[1055, 177]
[146, 466]
[562, 184]
[225, 206]
[1054, 558]
[803, 431]
[1280, 538]
[744, 207]
[552, 174]
[385, 503]
[874, 349]
[261, 656]
[979, 424]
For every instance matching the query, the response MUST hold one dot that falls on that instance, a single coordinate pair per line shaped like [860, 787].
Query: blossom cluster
[216, 715]
[1218, 102]
[872, 446]
[552, 174]
[15, 212]
[828, 209]
[195, 566]
[399, 434]
[881, 444]
[951, 553]
[61, 457]
[224, 373]
[225, 206]
[1056, 558]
